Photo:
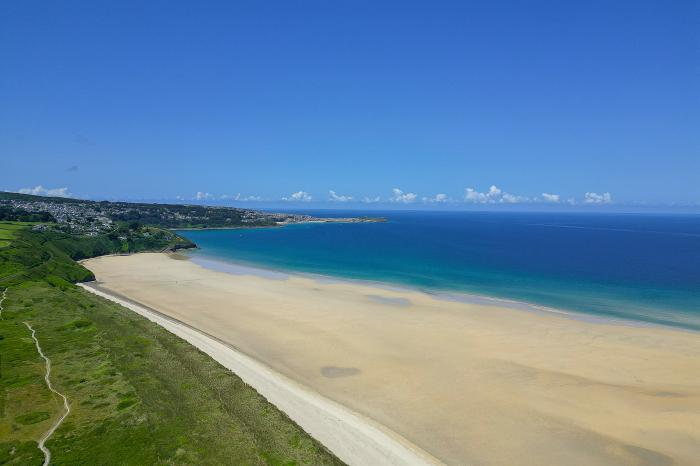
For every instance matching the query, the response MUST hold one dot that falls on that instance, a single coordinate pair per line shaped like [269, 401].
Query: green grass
[14, 226]
[8, 232]
[139, 394]
[32, 417]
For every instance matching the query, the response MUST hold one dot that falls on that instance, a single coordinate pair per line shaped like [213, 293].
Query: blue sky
[408, 102]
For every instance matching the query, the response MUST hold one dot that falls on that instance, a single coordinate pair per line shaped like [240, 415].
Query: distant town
[92, 218]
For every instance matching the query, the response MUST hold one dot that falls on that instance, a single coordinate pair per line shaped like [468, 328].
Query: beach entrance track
[353, 438]
[66, 405]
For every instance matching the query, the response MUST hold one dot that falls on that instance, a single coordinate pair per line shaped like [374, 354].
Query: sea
[636, 268]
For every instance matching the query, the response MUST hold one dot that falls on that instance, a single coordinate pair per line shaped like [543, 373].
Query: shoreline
[245, 268]
[350, 436]
[465, 382]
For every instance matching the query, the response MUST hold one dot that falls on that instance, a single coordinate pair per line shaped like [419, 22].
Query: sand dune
[468, 383]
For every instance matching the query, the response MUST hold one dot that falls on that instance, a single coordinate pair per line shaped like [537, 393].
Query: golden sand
[468, 383]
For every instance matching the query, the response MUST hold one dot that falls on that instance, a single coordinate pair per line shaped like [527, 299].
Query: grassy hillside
[139, 395]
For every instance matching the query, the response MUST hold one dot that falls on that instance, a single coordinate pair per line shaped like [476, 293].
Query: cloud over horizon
[438, 198]
[492, 196]
[39, 190]
[333, 197]
[496, 195]
[400, 196]
[239, 197]
[550, 197]
[299, 196]
[595, 198]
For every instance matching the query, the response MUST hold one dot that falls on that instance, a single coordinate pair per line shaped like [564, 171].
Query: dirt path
[4, 295]
[66, 405]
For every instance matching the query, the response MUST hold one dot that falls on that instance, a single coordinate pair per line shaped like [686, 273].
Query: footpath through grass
[139, 395]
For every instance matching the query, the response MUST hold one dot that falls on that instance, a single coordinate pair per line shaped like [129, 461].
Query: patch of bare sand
[469, 383]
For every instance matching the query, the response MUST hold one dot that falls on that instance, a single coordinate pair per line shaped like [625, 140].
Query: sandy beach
[482, 384]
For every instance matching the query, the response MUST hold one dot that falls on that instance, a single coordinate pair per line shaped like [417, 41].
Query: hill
[138, 394]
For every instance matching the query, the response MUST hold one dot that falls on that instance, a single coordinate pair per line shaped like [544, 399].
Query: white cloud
[371, 200]
[472, 195]
[550, 197]
[492, 196]
[203, 196]
[512, 199]
[338, 198]
[299, 196]
[239, 197]
[595, 198]
[400, 196]
[39, 190]
[437, 199]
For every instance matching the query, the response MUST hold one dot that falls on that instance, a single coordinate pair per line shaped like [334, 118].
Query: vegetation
[50, 255]
[22, 215]
[8, 231]
[139, 395]
[191, 216]
[126, 238]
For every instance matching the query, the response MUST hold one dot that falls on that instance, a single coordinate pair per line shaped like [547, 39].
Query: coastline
[457, 379]
[413, 250]
[351, 437]
[243, 268]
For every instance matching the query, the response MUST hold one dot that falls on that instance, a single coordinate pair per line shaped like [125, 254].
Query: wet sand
[470, 383]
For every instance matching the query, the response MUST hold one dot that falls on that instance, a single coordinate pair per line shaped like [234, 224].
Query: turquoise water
[639, 267]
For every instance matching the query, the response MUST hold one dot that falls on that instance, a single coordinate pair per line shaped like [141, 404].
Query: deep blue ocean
[642, 267]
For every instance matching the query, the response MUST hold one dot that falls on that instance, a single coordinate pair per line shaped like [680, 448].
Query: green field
[139, 395]
[8, 232]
